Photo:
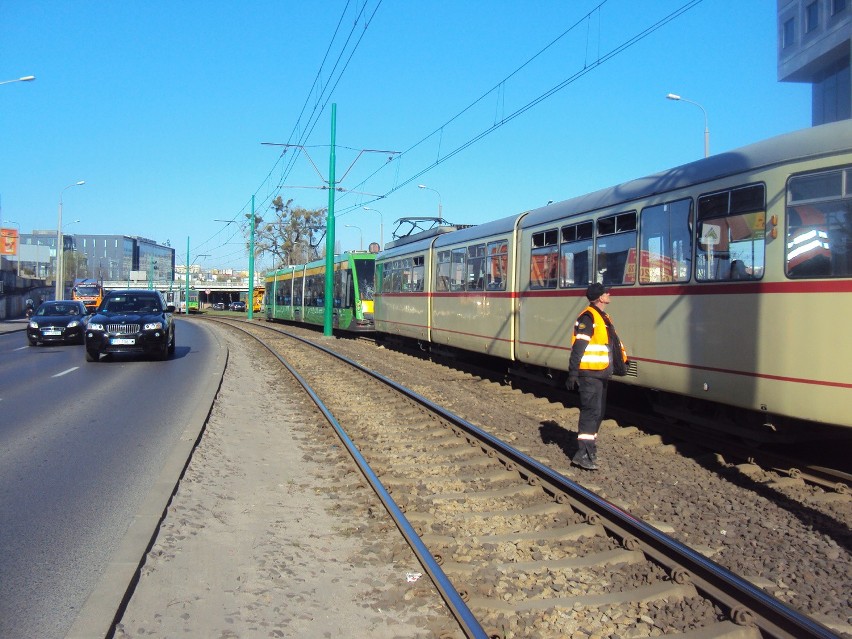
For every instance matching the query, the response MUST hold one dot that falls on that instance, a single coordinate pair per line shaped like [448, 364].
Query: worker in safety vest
[596, 354]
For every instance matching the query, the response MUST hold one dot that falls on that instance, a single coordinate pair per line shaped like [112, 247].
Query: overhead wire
[324, 96]
[587, 68]
[329, 87]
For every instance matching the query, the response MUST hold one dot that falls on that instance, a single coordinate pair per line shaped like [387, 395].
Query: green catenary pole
[329, 233]
[186, 292]
[251, 265]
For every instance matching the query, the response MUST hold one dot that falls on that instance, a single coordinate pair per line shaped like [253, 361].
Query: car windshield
[132, 304]
[58, 309]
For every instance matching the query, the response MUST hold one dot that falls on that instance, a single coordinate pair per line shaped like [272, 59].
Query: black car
[238, 306]
[62, 321]
[131, 321]
[219, 306]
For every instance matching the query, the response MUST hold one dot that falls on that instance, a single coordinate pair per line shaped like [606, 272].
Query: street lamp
[440, 205]
[60, 276]
[673, 96]
[381, 225]
[26, 78]
[360, 233]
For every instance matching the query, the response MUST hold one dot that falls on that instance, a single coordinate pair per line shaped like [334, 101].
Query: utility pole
[329, 232]
[251, 264]
[186, 292]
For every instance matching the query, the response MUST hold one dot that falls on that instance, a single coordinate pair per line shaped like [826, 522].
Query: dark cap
[595, 291]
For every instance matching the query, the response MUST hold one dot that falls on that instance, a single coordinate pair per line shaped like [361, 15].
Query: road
[80, 445]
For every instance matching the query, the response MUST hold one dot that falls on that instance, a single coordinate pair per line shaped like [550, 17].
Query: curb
[106, 603]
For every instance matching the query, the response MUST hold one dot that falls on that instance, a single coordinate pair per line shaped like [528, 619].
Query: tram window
[442, 271]
[417, 273]
[731, 248]
[820, 186]
[615, 252]
[665, 244]
[396, 276]
[365, 271]
[457, 269]
[475, 277]
[385, 270]
[498, 265]
[730, 234]
[297, 291]
[744, 199]
[819, 225]
[576, 255]
[405, 275]
[544, 259]
[343, 289]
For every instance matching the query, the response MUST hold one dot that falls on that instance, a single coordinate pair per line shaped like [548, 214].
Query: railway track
[515, 548]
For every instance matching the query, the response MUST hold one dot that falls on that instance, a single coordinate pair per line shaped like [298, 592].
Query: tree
[292, 236]
[75, 265]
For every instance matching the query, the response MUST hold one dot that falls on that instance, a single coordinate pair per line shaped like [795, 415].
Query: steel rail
[746, 603]
[467, 621]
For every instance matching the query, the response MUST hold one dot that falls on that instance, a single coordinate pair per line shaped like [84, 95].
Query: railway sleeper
[397, 458]
[721, 630]
[558, 533]
[547, 508]
[614, 557]
[665, 590]
[500, 493]
[491, 476]
[439, 437]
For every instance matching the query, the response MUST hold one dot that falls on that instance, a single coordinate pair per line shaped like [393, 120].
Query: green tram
[297, 293]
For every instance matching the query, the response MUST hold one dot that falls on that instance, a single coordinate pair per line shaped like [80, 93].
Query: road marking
[70, 370]
[20, 348]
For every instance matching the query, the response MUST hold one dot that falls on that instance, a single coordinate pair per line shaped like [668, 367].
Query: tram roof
[806, 143]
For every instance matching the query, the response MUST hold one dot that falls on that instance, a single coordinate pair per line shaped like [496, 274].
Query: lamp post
[360, 234]
[440, 204]
[26, 78]
[60, 276]
[381, 225]
[677, 98]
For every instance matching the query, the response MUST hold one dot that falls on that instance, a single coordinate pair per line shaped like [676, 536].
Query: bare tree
[291, 236]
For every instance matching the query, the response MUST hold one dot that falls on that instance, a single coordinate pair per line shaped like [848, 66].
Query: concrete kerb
[13, 326]
[115, 587]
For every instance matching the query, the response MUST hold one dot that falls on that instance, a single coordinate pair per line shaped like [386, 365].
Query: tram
[296, 293]
[731, 282]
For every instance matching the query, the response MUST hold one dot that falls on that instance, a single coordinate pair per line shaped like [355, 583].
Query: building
[103, 257]
[814, 40]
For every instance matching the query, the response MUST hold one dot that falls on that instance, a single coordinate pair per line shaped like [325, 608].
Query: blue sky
[162, 107]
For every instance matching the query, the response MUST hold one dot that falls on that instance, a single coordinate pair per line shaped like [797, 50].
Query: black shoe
[585, 462]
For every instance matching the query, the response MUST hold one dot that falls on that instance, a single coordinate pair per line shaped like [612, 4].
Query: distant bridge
[216, 289]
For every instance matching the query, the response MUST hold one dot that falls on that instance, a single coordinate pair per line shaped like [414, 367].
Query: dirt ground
[274, 533]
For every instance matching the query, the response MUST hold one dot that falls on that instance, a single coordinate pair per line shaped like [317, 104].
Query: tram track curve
[530, 552]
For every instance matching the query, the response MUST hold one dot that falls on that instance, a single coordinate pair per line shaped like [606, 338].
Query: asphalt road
[80, 445]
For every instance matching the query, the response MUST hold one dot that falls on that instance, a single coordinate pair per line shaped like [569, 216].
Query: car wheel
[172, 345]
[162, 353]
[33, 342]
[92, 356]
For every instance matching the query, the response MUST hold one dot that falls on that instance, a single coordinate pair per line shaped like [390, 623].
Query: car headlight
[73, 323]
[153, 326]
[94, 326]
[33, 324]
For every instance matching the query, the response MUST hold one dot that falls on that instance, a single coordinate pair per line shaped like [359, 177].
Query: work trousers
[592, 408]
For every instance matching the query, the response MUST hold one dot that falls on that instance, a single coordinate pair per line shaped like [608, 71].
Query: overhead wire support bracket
[361, 152]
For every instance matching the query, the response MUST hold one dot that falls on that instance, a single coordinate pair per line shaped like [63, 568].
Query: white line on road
[70, 370]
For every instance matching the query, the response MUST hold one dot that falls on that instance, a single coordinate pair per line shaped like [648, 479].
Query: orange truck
[88, 291]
